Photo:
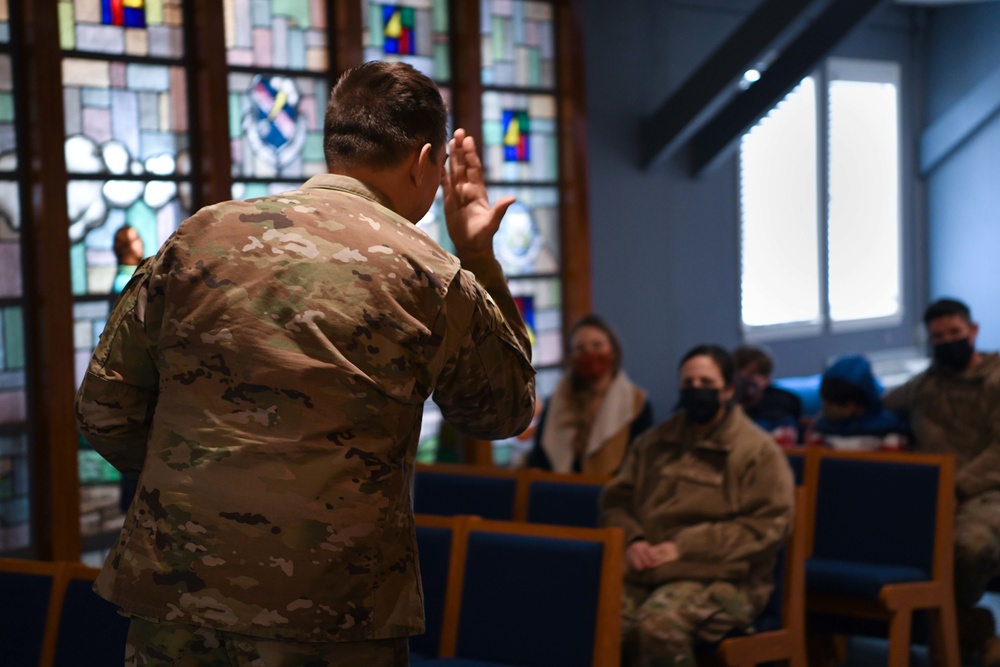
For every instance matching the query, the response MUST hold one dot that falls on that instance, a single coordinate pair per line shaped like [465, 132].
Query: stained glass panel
[123, 27]
[520, 137]
[125, 118]
[276, 125]
[4, 27]
[278, 34]
[98, 209]
[12, 359]
[518, 43]
[411, 31]
[8, 139]
[527, 242]
[15, 489]
[541, 301]
[10, 241]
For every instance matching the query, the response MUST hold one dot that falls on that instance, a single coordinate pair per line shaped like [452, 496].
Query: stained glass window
[122, 27]
[4, 21]
[278, 87]
[412, 31]
[128, 156]
[520, 137]
[518, 43]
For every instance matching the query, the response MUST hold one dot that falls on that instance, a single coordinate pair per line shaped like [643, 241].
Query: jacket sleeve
[982, 473]
[486, 387]
[618, 497]
[900, 399]
[764, 519]
[115, 402]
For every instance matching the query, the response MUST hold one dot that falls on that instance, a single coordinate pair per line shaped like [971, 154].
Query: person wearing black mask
[706, 501]
[595, 411]
[954, 407]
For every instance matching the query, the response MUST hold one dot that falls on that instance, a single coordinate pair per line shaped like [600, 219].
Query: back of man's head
[750, 359]
[945, 308]
[378, 113]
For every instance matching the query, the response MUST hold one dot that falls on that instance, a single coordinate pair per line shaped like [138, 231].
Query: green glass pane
[13, 335]
[297, 10]
[67, 26]
[313, 149]
[440, 16]
[78, 268]
[6, 108]
[154, 12]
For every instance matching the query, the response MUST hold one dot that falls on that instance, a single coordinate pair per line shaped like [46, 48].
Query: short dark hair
[596, 322]
[380, 111]
[718, 354]
[839, 391]
[748, 355]
[945, 308]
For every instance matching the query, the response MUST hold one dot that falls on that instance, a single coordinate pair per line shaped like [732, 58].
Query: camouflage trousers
[977, 547]
[163, 644]
[660, 626]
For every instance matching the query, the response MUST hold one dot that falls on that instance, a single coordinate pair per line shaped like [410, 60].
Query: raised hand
[471, 220]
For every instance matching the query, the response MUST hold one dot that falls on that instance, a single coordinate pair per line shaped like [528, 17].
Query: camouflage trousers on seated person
[660, 626]
[977, 547]
[164, 644]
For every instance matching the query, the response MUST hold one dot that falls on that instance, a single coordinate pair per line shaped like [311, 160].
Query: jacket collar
[723, 436]
[349, 185]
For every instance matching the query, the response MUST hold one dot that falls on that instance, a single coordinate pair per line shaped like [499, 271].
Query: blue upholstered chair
[780, 630]
[797, 462]
[435, 541]
[882, 545]
[559, 499]
[523, 595]
[450, 490]
[26, 594]
[90, 630]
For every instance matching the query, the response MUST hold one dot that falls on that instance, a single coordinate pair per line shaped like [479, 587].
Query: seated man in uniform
[954, 407]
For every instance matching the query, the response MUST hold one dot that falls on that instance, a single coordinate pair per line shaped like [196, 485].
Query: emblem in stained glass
[526, 306]
[516, 133]
[273, 127]
[518, 242]
[128, 13]
[398, 27]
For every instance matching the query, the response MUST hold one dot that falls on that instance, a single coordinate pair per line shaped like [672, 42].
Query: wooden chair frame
[788, 643]
[607, 631]
[528, 476]
[897, 602]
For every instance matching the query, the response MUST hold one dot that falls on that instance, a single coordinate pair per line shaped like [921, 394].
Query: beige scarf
[609, 430]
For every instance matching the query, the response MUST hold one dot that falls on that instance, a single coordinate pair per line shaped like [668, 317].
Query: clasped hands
[641, 555]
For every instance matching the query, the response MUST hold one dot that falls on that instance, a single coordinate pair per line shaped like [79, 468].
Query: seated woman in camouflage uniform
[706, 501]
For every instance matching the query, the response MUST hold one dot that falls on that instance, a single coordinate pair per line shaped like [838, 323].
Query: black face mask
[955, 354]
[700, 404]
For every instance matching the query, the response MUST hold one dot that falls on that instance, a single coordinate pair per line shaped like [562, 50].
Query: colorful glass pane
[99, 208]
[4, 21]
[518, 43]
[8, 137]
[411, 31]
[276, 125]
[545, 296]
[123, 27]
[276, 34]
[527, 242]
[10, 241]
[520, 137]
[15, 490]
[125, 118]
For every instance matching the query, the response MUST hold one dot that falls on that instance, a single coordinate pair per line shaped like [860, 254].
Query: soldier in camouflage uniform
[954, 407]
[265, 375]
[706, 501]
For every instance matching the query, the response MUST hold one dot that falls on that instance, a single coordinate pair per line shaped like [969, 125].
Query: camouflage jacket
[266, 373]
[727, 502]
[957, 413]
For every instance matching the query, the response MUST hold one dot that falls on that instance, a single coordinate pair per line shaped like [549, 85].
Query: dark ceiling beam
[691, 105]
[963, 119]
[713, 143]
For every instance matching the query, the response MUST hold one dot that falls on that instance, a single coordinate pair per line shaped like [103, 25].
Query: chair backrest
[797, 462]
[786, 607]
[559, 499]
[450, 490]
[90, 629]
[535, 596]
[435, 541]
[882, 508]
[27, 589]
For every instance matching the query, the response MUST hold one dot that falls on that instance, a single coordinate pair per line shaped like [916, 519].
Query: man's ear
[418, 168]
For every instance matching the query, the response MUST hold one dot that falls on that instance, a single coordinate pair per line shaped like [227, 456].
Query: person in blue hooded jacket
[853, 416]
